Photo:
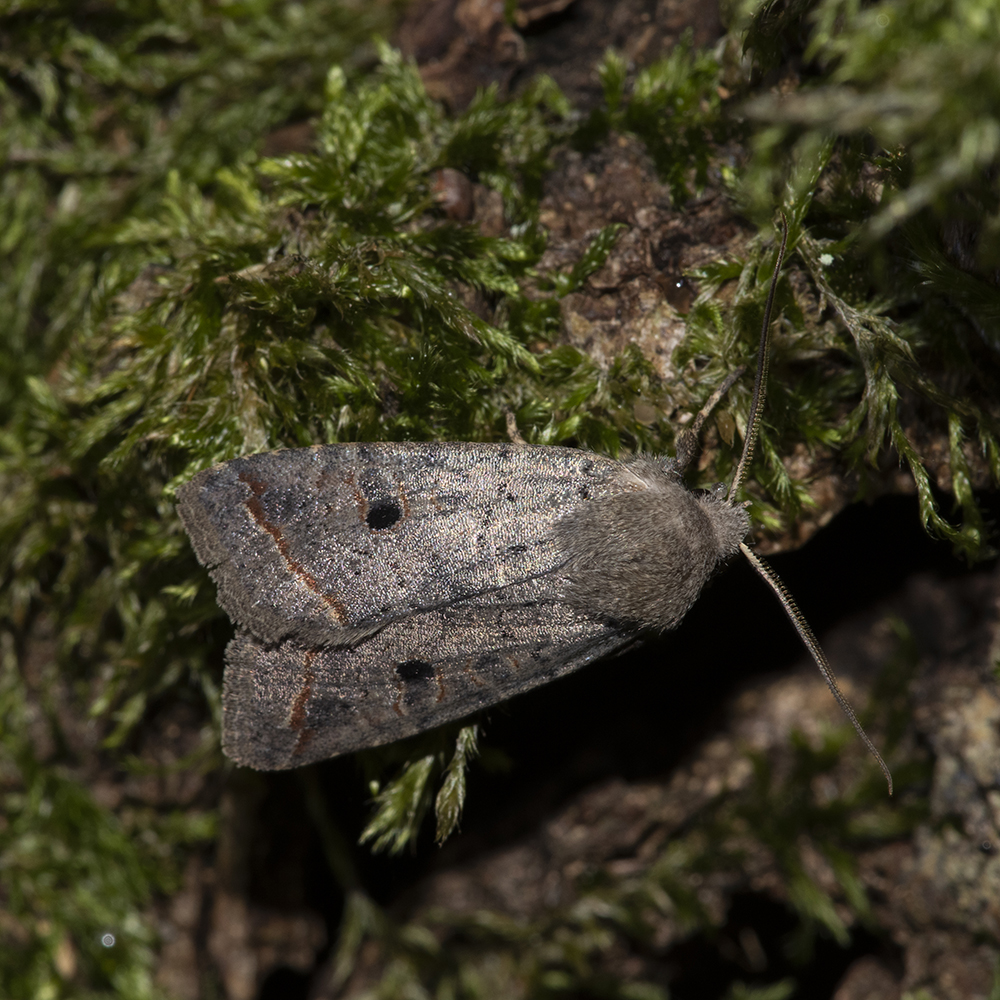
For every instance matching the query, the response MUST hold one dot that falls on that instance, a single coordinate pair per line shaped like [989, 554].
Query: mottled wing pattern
[287, 705]
[326, 545]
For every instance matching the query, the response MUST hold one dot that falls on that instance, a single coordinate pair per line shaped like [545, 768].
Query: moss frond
[173, 299]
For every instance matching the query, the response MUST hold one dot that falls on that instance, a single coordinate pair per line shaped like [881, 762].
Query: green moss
[99, 104]
[176, 300]
[899, 113]
[673, 106]
[76, 881]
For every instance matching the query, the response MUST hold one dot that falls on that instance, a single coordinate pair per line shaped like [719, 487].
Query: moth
[379, 590]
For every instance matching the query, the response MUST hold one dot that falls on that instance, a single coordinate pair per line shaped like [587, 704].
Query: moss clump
[897, 112]
[916, 82]
[100, 104]
[179, 300]
[77, 878]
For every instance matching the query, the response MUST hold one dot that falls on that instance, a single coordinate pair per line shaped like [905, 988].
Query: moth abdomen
[642, 556]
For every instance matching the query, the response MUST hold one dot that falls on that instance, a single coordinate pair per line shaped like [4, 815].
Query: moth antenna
[762, 568]
[806, 635]
[760, 381]
[687, 440]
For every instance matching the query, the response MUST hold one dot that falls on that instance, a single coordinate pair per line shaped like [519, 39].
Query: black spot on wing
[414, 670]
[383, 514]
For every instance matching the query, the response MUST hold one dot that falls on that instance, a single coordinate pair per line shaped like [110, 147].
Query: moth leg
[687, 440]
[512, 432]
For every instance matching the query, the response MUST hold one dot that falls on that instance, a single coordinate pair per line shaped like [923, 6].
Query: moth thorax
[642, 556]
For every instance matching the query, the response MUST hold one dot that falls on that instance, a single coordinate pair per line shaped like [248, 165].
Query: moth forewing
[325, 545]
